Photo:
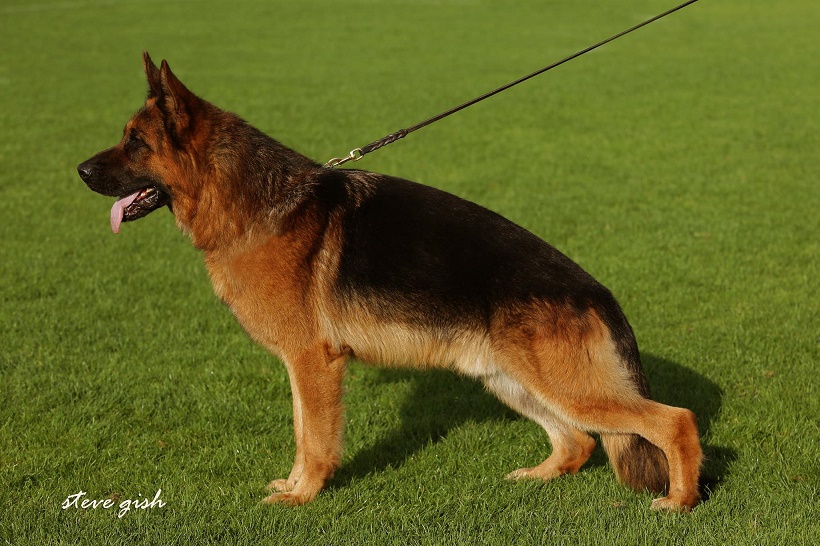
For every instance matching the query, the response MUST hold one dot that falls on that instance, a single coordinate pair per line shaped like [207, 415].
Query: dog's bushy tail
[637, 463]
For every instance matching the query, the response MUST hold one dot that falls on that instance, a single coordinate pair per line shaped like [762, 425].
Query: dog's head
[144, 169]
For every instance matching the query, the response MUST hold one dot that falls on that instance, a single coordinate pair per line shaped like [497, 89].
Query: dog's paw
[281, 486]
[289, 498]
[669, 504]
[520, 474]
[535, 473]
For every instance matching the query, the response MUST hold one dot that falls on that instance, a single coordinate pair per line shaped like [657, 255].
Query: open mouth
[137, 205]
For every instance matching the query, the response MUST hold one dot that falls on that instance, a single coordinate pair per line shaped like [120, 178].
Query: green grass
[678, 165]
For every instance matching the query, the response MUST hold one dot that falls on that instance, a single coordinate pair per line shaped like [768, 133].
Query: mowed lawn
[678, 165]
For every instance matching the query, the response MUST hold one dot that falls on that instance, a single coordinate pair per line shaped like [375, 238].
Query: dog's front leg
[316, 383]
[285, 485]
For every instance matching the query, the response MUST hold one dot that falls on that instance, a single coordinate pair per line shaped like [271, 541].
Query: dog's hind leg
[571, 447]
[586, 383]
[316, 380]
[671, 430]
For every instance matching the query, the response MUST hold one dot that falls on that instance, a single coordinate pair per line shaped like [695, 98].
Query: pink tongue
[118, 209]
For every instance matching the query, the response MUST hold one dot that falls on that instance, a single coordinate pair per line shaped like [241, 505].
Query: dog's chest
[264, 289]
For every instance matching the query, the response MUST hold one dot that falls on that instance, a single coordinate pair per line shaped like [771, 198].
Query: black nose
[85, 169]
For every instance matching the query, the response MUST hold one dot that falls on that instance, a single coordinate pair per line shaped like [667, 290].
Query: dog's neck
[256, 182]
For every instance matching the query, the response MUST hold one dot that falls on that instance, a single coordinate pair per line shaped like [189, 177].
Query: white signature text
[141, 503]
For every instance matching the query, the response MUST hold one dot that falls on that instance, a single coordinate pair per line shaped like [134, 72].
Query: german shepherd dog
[321, 265]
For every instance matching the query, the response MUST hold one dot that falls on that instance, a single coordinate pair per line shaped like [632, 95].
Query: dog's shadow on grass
[442, 401]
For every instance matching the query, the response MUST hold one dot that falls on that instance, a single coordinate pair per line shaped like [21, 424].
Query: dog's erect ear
[177, 103]
[152, 73]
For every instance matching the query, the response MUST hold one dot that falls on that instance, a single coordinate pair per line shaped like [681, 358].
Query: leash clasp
[354, 155]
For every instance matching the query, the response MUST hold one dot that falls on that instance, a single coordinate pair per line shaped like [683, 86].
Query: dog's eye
[134, 141]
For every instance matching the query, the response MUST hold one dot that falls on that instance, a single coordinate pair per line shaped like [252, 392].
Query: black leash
[357, 153]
